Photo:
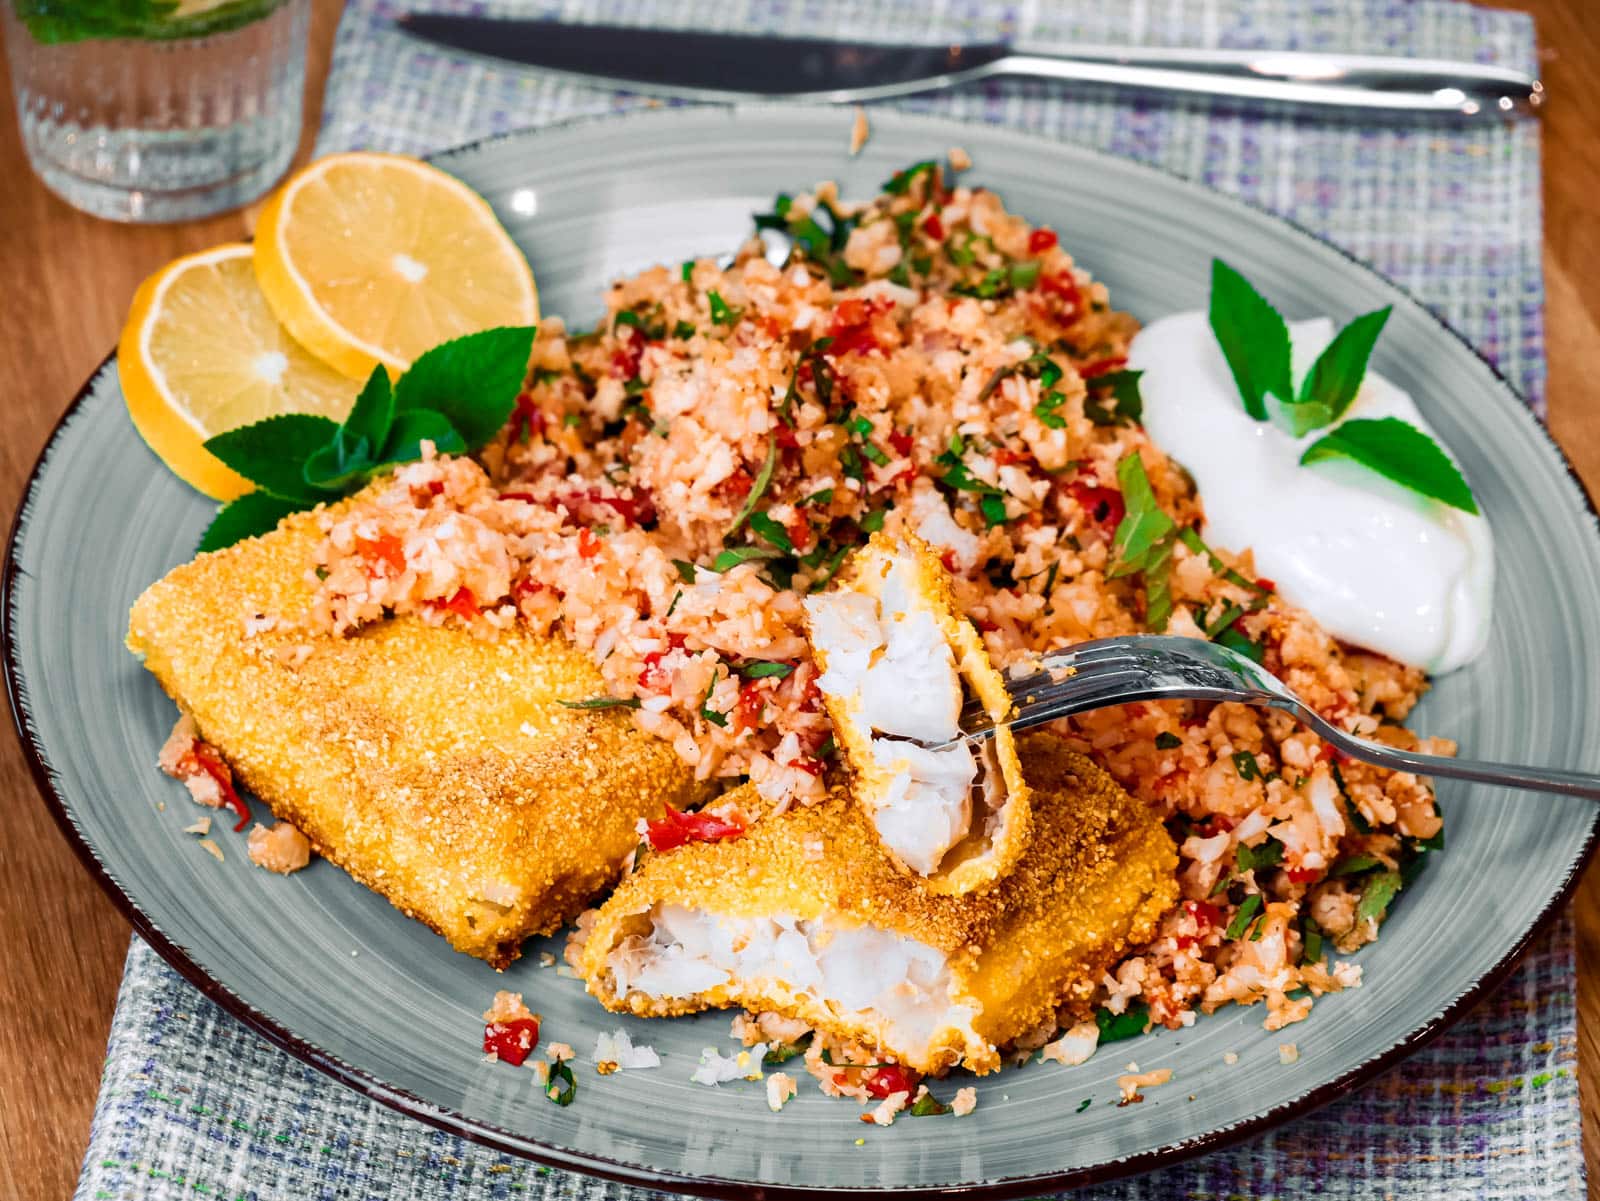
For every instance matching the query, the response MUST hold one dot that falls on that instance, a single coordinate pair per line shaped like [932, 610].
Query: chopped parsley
[1168, 741]
[1268, 854]
[770, 530]
[1243, 917]
[685, 570]
[683, 331]
[1130, 1023]
[562, 1086]
[687, 270]
[735, 555]
[721, 312]
[762, 669]
[1244, 762]
[707, 712]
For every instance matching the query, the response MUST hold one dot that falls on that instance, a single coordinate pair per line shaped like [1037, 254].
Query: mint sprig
[457, 396]
[1253, 337]
[1399, 451]
[1255, 342]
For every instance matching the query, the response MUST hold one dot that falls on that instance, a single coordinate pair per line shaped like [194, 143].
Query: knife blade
[702, 65]
[692, 62]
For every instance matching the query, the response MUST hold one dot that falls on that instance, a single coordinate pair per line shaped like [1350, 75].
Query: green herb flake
[873, 521]
[602, 702]
[685, 570]
[771, 531]
[928, 1106]
[758, 488]
[1168, 741]
[900, 182]
[1084, 1104]
[1243, 917]
[721, 312]
[1130, 1023]
[782, 1053]
[562, 1086]
[728, 559]
[707, 712]
[687, 270]
[1355, 865]
[683, 331]
[762, 670]
[1268, 854]
[1379, 892]
[1244, 762]
[822, 496]
[993, 508]
[1311, 949]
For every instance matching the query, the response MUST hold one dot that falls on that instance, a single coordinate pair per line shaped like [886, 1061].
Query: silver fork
[1153, 667]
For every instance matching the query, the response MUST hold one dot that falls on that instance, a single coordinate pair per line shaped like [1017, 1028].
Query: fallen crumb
[964, 1102]
[353, 954]
[716, 1068]
[860, 131]
[1131, 1084]
[508, 1007]
[886, 1110]
[212, 849]
[282, 849]
[1073, 1047]
[1288, 1052]
[546, 959]
[616, 1052]
[1230, 1058]
[203, 826]
[960, 160]
[1132, 1066]
[780, 1087]
[1191, 1096]
[541, 1072]
[559, 1052]
[861, 1142]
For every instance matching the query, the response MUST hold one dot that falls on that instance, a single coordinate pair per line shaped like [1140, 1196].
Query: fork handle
[1537, 779]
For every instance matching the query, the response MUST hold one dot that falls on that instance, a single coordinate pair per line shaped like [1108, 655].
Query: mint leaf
[245, 517]
[1144, 523]
[1130, 1023]
[1127, 405]
[1253, 337]
[409, 430]
[269, 453]
[370, 417]
[1399, 451]
[1335, 378]
[472, 380]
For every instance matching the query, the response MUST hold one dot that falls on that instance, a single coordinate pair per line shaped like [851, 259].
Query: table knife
[702, 65]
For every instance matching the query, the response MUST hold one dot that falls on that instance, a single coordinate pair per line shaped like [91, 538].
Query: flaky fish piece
[806, 916]
[898, 662]
[434, 766]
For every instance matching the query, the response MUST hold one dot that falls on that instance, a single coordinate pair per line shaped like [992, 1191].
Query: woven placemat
[193, 1105]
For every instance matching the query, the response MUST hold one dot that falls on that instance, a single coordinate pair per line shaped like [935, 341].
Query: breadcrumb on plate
[860, 131]
[1133, 1082]
[780, 1087]
[282, 849]
[1288, 1052]
[964, 1102]
[201, 827]
[212, 849]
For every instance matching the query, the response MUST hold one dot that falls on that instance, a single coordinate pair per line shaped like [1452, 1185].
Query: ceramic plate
[598, 199]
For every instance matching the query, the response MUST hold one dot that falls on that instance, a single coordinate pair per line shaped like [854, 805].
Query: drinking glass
[158, 110]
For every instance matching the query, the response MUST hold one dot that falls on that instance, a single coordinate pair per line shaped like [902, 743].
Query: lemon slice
[201, 353]
[375, 258]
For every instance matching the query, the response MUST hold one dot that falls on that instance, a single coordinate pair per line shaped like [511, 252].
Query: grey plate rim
[497, 1138]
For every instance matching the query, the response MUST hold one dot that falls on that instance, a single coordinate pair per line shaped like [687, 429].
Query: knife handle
[1383, 83]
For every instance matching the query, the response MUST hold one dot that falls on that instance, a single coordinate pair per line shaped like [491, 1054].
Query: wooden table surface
[69, 279]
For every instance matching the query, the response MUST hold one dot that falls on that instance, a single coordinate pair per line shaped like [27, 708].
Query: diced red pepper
[1332, 754]
[1303, 875]
[851, 329]
[463, 604]
[1103, 505]
[436, 487]
[900, 442]
[889, 1080]
[737, 485]
[752, 705]
[933, 227]
[588, 544]
[630, 349]
[1041, 240]
[385, 548]
[809, 764]
[1103, 367]
[1266, 585]
[799, 529]
[1004, 456]
[951, 564]
[1206, 915]
[1064, 288]
[527, 418]
[675, 828]
[637, 509]
[511, 1041]
[518, 495]
[211, 763]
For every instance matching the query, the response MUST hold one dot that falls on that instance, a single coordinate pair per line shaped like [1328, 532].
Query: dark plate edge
[504, 1141]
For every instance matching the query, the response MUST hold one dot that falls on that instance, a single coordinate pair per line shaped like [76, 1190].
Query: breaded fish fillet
[807, 916]
[898, 662]
[434, 766]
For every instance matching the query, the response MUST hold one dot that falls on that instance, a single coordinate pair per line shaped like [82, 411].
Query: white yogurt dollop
[1376, 564]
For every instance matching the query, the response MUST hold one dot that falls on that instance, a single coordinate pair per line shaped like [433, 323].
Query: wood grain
[69, 279]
